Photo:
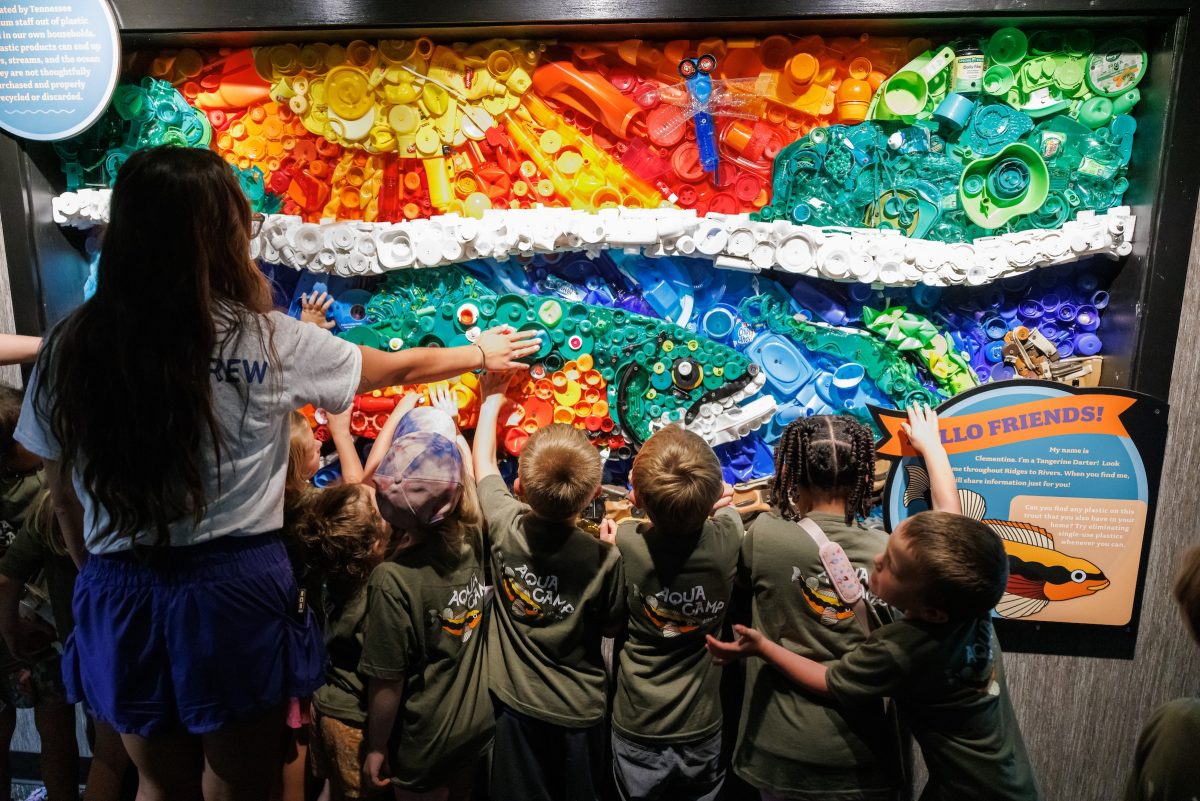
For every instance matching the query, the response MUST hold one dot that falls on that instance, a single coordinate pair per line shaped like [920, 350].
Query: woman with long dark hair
[161, 407]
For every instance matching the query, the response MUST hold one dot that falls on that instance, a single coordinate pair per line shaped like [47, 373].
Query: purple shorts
[196, 637]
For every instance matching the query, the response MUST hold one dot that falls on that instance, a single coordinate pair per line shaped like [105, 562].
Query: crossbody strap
[840, 572]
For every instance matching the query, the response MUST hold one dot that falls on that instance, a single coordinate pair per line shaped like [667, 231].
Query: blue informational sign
[1066, 477]
[59, 63]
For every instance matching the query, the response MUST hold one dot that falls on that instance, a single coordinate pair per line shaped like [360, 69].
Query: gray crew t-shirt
[253, 393]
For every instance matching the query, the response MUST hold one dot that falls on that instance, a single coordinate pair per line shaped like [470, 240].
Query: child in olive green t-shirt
[429, 716]
[825, 466]
[679, 569]
[559, 591]
[940, 664]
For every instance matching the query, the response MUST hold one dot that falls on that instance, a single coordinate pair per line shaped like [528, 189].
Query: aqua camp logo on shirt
[675, 612]
[462, 612]
[533, 597]
[238, 371]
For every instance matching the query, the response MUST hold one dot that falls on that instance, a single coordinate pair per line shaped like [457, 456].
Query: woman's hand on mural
[503, 346]
[313, 308]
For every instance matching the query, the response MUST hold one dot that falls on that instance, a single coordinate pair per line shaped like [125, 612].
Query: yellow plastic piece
[348, 92]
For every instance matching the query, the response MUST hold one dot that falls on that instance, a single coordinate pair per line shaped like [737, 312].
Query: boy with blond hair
[559, 591]
[679, 570]
[940, 663]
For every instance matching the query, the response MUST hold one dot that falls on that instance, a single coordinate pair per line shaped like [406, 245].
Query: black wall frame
[1142, 321]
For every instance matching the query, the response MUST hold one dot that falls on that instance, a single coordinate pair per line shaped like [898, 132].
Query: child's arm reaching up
[922, 431]
[343, 440]
[751, 642]
[492, 387]
[384, 440]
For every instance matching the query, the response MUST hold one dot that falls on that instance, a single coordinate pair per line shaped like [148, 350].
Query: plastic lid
[348, 92]
[1007, 46]
[803, 68]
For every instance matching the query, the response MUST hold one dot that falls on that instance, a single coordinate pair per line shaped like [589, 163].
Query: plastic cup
[998, 80]
[905, 93]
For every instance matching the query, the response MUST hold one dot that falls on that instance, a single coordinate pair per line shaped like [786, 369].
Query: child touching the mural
[559, 592]
[679, 570]
[824, 470]
[311, 564]
[430, 718]
[1164, 764]
[940, 663]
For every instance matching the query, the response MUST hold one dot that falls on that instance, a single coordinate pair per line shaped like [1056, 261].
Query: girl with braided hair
[792, 744]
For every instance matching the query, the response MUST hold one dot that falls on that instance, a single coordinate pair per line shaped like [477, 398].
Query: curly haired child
[824, 470]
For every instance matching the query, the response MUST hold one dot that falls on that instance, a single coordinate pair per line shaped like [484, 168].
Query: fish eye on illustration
[1078, 576]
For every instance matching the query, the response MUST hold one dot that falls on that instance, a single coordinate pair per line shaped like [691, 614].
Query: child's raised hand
[339, 423]
[313, 308]
[406, 404]
[748, 642]
[922, 428]
[441, 396]
[608, 531]
[494, 382]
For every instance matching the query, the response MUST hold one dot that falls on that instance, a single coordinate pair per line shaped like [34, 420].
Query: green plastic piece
[1007, 46]
[1017, 182]
[890, 370]
[624, 346]
[1117, 66]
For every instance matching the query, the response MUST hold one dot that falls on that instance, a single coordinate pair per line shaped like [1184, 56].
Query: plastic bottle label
[968, 73]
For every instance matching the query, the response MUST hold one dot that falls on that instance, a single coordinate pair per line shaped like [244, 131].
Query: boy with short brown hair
[679, 569]
[941, 664]
[558, 592]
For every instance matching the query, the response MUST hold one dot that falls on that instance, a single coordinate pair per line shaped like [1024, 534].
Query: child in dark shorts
[559, 593]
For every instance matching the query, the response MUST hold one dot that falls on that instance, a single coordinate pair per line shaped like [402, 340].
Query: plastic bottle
[969, 63]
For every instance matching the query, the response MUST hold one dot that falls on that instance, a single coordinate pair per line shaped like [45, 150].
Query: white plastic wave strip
[730, 241]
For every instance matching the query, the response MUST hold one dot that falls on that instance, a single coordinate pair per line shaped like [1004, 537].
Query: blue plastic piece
[785, 367]
[820, 304]
[328, 475]
[926, 297]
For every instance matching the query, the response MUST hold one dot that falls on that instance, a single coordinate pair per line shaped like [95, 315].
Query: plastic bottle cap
[802, 69]
[860, 68]
[1087, 318]
[747, 187]
[1088, 344]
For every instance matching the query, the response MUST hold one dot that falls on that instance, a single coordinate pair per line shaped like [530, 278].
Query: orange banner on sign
[1070, 414]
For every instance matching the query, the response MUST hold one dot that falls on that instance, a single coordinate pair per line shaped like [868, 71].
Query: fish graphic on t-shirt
[461, 624]
[822, 600]
[1038, 572]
